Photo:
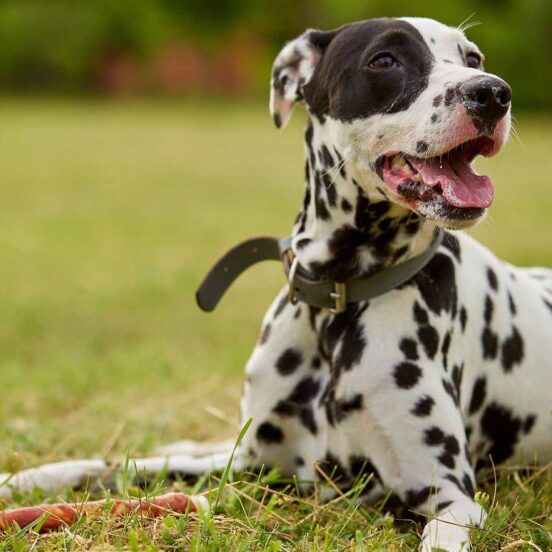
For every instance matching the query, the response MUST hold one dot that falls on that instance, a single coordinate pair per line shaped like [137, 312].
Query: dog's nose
[487, 100]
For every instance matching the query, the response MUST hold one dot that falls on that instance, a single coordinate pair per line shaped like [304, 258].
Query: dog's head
[408, 105]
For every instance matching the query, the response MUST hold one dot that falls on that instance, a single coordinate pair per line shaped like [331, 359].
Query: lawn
[110, 214]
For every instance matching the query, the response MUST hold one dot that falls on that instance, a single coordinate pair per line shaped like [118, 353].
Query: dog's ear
[293, 68]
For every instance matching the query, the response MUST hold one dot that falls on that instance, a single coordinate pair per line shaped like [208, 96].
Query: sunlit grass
[110, 214]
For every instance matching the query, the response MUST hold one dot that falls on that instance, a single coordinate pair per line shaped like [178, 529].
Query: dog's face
[408, 105]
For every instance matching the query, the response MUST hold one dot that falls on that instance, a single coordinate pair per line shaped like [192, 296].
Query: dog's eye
[473, 60]
[383, 61]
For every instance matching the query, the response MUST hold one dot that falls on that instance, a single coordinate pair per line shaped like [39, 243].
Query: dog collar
[302, 285]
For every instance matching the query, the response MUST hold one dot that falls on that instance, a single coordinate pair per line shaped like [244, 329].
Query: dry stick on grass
[58, 516]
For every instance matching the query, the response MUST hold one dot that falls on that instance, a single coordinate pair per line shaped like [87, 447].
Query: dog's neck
[341, 231]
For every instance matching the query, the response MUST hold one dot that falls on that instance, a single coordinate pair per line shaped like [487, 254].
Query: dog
[445, 372]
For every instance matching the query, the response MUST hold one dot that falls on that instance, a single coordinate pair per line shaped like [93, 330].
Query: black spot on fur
[361, 469]
[457, 373]
[512, 305]
[420, 314]
[333, 468]
[451, 445]
[437, 284]
[463, 318]
[450, 94]
[529, 423]
[347, 328]
[415, 498]
[299, 461]
[430, 340]
[453, 245]
[302, 243]
[479, 394]
[269, 433]
[447, 460]
[421, 146]
[409, 348]
[450, 390]
[442, 506]
[468, 485]
[346, 206]
[452, 478]
[265, 334]
[433, 436]
[412, 227]
[338, 409]
[512, 350]
[281, 306]
[434, 118]
[316, 363]
[493, 280]
[423, 407]
[445, 349]
[407, 375]
[289, 361]
[489, 341]
[502, 429]
[306, 390]
[437, 100]
[489, 308]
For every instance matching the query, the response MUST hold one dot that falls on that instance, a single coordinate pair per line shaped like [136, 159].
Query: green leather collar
[302, 286]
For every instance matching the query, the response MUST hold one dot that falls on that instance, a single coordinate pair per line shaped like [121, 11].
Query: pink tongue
[461, 186]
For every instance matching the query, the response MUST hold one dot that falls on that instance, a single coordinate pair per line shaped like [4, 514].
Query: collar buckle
[339, 298]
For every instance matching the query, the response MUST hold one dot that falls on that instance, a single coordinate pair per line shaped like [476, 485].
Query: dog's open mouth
[449, 175]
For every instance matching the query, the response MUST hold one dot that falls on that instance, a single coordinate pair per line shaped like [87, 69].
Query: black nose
[487, 100]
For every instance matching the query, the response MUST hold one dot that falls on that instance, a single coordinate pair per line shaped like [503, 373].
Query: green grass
[110, 214]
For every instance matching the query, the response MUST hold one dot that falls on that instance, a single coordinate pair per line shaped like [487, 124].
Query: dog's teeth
[401, 164]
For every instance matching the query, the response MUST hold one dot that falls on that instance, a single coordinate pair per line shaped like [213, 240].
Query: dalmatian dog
[441, 375]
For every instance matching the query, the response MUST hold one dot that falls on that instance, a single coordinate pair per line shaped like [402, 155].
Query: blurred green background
[133, 47]
[135, 147]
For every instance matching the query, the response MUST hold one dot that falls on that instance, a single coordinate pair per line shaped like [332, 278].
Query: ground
[110, 214]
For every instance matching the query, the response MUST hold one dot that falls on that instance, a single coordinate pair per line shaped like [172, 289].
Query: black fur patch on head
[479, 394]
[512, 350]
[269, 433]
[407, 375]
[437, 100]
[424, 406]
[289, 361]
[346, 87]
